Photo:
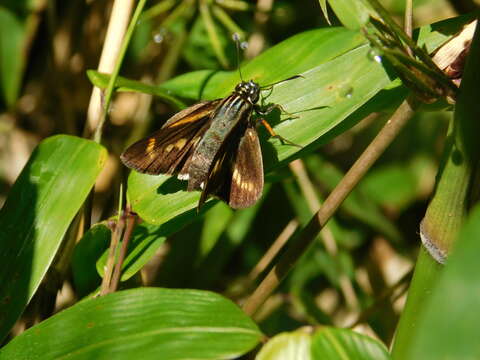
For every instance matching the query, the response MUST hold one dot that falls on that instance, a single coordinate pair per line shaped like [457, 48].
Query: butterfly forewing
[167, 150]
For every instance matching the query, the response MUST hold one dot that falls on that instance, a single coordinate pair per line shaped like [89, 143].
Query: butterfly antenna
[236, 38]
[281, 81]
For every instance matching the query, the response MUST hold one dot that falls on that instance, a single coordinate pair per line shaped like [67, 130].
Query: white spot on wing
[183, 176]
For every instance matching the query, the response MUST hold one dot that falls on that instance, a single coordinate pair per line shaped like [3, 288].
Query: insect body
[214, 145]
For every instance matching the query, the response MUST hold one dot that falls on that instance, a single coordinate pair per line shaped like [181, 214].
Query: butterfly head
[248, 90]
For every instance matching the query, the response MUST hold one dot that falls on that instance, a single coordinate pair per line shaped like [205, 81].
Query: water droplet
[158, 38]
[375, 55]
[160, 35]
[346, 92]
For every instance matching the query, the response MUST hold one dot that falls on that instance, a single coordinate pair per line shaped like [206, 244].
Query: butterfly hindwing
[237, 174]
[247, 171]
[167, 149]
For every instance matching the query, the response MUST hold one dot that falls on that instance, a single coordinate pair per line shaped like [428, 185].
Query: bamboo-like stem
[116, 69]
[449, 206]
[331, 204]
[117, 26]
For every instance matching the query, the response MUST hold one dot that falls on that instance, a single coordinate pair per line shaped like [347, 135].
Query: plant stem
[408, 21]
[117, 26]
[273, 250]
[112, 252]
[131, 220]
[449, 206]
[116, 69]
[331, 204]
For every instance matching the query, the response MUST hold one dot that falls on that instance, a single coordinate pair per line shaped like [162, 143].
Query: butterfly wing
[167, 150]
[237, 174]
[247, 172]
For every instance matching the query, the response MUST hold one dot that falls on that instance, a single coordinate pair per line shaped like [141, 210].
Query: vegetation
[97, 261]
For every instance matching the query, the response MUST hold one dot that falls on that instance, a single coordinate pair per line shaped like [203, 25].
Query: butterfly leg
[272, 107]
[275, 135]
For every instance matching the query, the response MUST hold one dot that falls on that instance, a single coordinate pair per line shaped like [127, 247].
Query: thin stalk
[158, 9]
[131, 219]
[117, 26]
[299, 245]
[326, 235]
[184, 6]
[212, 33]
[107, 276]
[390, 294]
[408, 21]
[113, 77]
[227, 21]
[235, 5]
[273, 250]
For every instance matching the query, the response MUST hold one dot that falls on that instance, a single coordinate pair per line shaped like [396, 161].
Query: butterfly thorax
[248, 90]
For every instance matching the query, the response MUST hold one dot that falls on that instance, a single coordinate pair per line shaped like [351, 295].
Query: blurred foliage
[356, 272]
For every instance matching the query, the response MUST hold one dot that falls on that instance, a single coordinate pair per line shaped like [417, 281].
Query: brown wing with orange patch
[166, 150]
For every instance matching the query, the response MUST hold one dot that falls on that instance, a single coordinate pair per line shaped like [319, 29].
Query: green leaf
[213, 34]
[434, 35]
[146, 323]
[353, 14]
[453, 306]
[392, 185]
[334, 344]
[86, 254]
[90, 255]
[287, 346]
[325, 344]
[13, 31]
[216, 221]
[101, 80]
[213, 262]
[145, 241]
[357, 204]
[294, 56]
[43, 201]
[321, 101]
[323, 7]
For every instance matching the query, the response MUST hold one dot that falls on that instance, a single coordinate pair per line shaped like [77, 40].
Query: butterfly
[213, 145]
